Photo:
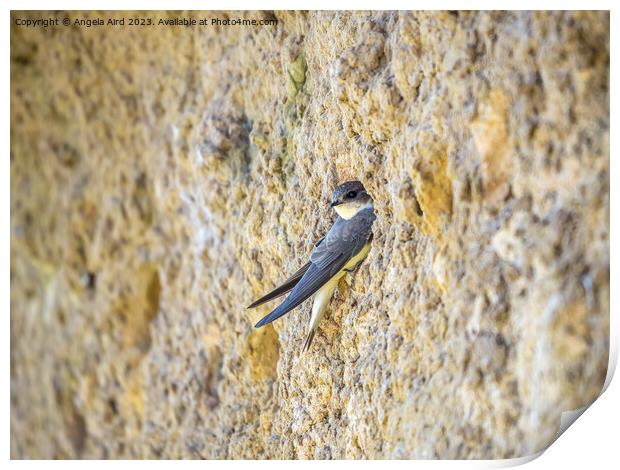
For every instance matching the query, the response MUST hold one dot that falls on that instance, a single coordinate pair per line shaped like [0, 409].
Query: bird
[342, 250]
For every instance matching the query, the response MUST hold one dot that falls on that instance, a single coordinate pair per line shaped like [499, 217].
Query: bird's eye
[351, 194]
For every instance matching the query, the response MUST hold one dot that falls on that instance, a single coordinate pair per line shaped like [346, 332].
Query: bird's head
[349, 198]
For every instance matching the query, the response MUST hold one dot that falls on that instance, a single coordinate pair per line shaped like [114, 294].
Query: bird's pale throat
[350, 210]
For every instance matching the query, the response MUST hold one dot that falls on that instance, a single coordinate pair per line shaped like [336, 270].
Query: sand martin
[342, 250]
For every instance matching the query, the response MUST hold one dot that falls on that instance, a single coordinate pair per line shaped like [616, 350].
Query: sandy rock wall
[162, 178]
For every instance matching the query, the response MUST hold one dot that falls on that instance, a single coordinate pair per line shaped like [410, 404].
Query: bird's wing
[345, 239]
[286, 286]
[282, 289]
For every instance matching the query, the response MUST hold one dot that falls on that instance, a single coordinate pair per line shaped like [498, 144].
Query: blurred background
[162, 177]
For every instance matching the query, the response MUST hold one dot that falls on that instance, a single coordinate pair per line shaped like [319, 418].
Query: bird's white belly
[324, 294]
[357, 258]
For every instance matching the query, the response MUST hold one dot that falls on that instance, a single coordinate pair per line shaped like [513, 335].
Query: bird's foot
[354, 268]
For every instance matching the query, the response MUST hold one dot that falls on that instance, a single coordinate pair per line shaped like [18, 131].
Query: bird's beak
[334, 203]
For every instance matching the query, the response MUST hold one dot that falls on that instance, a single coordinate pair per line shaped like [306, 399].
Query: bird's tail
[309, 339]
[321, 300]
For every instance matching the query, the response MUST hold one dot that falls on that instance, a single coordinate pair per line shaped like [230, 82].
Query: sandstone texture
[164, 177]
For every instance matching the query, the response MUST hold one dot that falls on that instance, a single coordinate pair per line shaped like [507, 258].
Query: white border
[314, 5]
[591, 441]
